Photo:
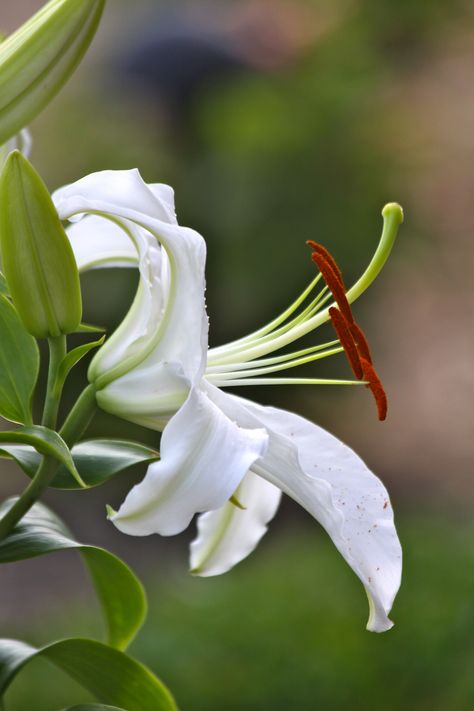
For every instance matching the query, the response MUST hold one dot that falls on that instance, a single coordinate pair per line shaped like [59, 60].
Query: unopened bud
[38, 261]
[37, 59]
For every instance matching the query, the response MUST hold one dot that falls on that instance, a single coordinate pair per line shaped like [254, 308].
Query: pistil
[242, 361]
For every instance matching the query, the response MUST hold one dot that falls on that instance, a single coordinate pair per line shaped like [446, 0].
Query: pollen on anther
[347, 341]
[332, 280]
[361, 341]
[319, 249]
[375, 386]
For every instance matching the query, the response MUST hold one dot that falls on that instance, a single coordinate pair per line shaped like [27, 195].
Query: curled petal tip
[110, 512]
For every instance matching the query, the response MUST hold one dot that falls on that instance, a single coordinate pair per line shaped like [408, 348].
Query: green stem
[31, 494]
[80, 416]
[57, 351]
[76, 423]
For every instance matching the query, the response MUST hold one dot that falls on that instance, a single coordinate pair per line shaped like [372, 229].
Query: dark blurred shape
[186, 53]
[179, 61]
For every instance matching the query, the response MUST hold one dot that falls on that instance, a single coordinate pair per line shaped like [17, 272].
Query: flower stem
[31, 494]
[48, 467]
[78, 419]
[57, 351]
[76, 423]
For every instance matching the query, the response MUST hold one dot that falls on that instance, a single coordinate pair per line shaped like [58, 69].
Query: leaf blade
[120, 593]
[19, 366]
[97, 460]
[110, 675]
[73, 357]
[45, 441]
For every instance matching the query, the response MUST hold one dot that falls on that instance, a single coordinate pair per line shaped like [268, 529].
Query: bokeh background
[277, 122]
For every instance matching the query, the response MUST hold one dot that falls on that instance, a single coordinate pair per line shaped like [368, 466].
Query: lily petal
[172, 332]
[229, 534]
[204, 457]
[99, 243]
[334, 485]
[165, 194]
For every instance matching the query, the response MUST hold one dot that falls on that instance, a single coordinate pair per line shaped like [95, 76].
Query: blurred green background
[278, 122]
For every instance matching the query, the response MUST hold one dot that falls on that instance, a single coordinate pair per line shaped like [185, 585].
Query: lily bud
[37, 59]
[38, 260]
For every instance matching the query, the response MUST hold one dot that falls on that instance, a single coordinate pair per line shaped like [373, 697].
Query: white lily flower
[224, 457]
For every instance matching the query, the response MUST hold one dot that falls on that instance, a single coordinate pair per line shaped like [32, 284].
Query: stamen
[375, 386]
[321, 250]
[232, 374]
[262, 362]
[361, 341]
[270, 327]
[344, 333]
[332, 280]
[284, 381]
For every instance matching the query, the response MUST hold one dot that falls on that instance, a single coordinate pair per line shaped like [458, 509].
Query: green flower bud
[37, 59]
[38, 261]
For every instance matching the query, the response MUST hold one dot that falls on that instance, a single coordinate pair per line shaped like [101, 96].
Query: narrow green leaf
[44, 441]
[19, 365]
[97, 460]
[111, 676]
[37, 59]
[73, 357]
[37, 256]
[89, 328]
[120, 593]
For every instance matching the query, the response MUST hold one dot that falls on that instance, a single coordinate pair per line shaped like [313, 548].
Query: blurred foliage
[263, 162]
[285, 630]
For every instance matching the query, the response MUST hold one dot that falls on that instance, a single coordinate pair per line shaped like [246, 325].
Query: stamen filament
[285, 381]
[231, 374]
[223, 354]
[269, 361]
[275, 323]
[393, 217]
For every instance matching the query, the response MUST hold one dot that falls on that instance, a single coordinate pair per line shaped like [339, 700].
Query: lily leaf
[89, 328]
[73, 357]
[97, 460]
[110, 675]
[120, 593]
[44, 441]
[19, 365]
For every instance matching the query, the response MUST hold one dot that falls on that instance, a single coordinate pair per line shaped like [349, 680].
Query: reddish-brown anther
[375, 386]
[319, 249]
[346, 339]
[361, 341]
[332, 280]
[349, 333]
